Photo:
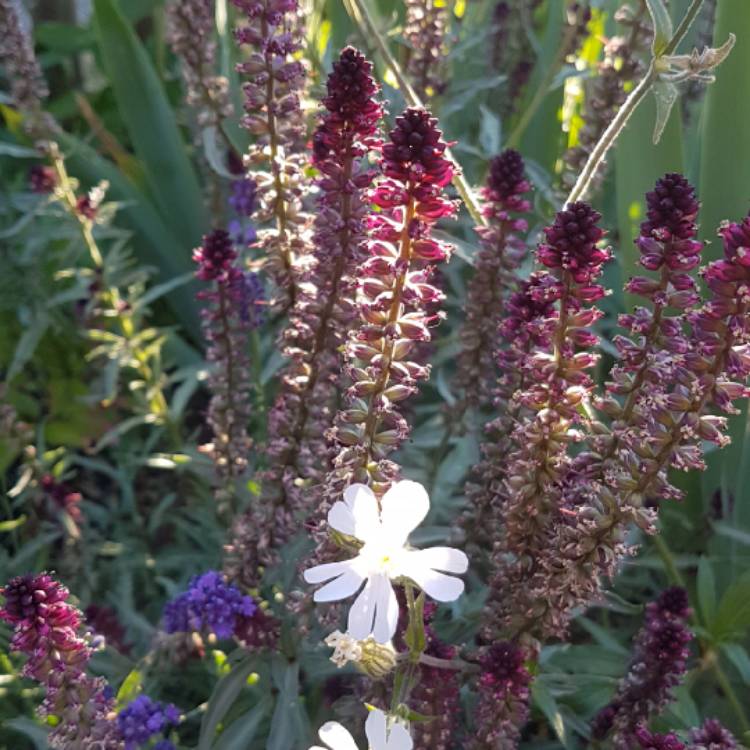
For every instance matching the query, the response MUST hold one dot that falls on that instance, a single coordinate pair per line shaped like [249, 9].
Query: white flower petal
[325, 572]
[403, 508]
[439, 586]
[447, 559]
[399, 738]
[386, 613]
[336, 736]
[344, 586]
[364, 507]
[362, 613]
[375, 730]
[357, 514]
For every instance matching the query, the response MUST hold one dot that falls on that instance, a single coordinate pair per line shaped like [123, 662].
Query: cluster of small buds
[62, 496]
[143, 718]
[42, 179]
[190, 33]
[28, 87]
[554, 398]
[398, 305]
[604, 93]
[712, 735]
[425, 29]
[273, 115]
[494, 278]
[46, 629]
[503, 686]
[226, 330]
[323, 312]
[659, 662]
[653, 741]
[376, 660]
[210, 605]
[511, 52]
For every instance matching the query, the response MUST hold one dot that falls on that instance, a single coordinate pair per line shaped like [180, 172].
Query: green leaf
[662, 25]
[706, 590]
[36, 733]
[546, 703]
[152, 126]
[12, 524]
[490, 131]
[27, 344]
[241, 732]
[288, 726]
[739, 657]
[733, 616]
[17, 152]
[223, 697]
[666, 95]
[130, 688]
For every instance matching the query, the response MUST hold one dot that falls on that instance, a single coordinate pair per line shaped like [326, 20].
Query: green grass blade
[152, 126]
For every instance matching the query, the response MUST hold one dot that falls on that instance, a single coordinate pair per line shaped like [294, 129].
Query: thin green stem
[728, 690]
[637, 95]
[673, 574]
[360, 14]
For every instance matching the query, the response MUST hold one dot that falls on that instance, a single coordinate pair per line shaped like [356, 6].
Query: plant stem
[637, 95]
[360, 14]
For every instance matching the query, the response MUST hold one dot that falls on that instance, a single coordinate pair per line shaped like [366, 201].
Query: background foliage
[148, 519]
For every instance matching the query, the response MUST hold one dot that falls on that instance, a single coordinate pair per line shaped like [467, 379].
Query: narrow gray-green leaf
[666, 94]
[662, 25]
[223, 697]
[151, 125]
[706, 590]
[241, 732]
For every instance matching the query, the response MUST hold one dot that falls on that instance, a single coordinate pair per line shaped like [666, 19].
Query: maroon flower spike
[425, 30]
[277, 155]
[711, 735]
[494, 278]
[659, 663]
[190, 33]
[45, 628]
[503, 696]
[652, 741]
[319, 322]
[62, 496]
[556, 385]
[226, 330]
[398, 305]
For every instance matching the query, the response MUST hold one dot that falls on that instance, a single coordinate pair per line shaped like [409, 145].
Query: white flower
[379, 737]
[384, 557]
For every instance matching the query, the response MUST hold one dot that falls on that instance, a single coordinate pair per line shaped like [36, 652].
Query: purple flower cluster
[143, 718]
[226, 323]
[276, 158]
[503, 687]
[46, 629]
[323, 313]
[210, 605]
[494, 278]
[659, 662]
[191, 32]
[424, 31]
[398, 303]
[42, 179]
